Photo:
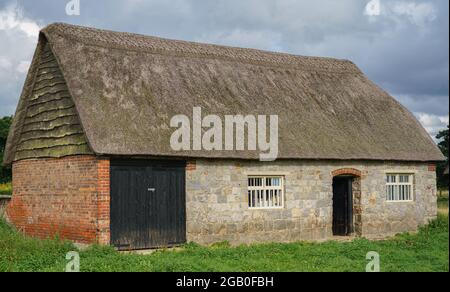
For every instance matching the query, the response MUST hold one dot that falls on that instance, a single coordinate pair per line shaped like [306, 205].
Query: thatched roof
[127, 87]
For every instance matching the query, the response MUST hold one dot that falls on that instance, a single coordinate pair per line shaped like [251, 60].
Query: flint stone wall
[217, 201]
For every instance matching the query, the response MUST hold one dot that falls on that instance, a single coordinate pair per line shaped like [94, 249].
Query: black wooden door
[342, 206]
[148, 205]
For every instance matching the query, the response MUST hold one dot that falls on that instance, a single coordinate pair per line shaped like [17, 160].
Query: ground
[428, 250]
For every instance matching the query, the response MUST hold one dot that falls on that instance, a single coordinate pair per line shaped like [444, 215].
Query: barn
[92, 160]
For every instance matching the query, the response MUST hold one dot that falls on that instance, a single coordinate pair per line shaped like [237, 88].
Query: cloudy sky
[402, 45]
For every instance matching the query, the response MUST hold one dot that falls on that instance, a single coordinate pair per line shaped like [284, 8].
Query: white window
[399, 187]
[265, 192]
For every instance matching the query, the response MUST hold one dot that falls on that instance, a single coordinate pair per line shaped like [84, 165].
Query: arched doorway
[346, 202]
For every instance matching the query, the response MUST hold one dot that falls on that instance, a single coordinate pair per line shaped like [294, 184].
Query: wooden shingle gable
[51, 127]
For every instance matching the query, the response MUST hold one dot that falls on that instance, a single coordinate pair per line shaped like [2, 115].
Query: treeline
[442, 137]
[5, 172]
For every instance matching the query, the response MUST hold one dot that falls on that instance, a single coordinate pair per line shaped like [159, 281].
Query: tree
[5, 172]
[442, 137]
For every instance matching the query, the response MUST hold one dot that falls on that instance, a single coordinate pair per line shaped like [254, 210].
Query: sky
[401, 45]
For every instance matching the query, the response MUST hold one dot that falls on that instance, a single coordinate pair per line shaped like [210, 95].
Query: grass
[443, 202]
[428, 250]
[6, 189]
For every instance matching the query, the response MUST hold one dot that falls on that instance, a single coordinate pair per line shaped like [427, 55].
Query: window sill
[266, 209]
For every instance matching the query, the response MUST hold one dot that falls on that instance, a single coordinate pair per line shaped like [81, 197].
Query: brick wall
[66, 196]
[103, 207]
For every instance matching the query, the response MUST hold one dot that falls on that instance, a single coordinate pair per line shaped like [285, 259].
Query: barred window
[265, 192]
[399, 187]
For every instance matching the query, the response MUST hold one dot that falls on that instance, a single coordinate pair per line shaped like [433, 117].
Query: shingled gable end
[92, 129]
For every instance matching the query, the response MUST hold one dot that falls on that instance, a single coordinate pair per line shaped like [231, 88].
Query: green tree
[5, 172]
[442, 137]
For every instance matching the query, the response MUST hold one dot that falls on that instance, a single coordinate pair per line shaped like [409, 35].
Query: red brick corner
[103, 207]
[432, 167]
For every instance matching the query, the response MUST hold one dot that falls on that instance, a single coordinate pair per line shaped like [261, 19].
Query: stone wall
[217, 207]
[68, 197]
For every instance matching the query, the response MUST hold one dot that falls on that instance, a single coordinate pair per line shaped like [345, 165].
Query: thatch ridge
[129, 42]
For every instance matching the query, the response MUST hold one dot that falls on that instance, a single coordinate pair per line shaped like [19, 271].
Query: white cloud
[433, 123]
[19, 36]
[444, 120]
[12, 19]
[5, 64]
[23, 67]
[419, 14]
[402, 12]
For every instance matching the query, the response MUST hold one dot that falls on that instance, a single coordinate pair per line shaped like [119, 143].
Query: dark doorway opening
[342, 206]
[148, 204]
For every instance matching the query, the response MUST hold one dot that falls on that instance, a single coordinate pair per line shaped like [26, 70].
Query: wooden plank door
[129, 204]
[169, 220]
[342, 206]
[148, 206]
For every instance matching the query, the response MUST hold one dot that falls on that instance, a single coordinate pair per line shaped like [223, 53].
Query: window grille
[399, 187]
[265, 192]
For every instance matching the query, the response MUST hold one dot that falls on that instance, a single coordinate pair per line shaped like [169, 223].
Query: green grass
[443, 202]
[5, 189]
[426, 251]
[20, 253]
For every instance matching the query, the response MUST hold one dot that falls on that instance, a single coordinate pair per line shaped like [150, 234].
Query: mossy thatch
[127, 87]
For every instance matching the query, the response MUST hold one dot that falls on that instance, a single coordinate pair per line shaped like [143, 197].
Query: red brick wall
[103, 206]
[432, 167]
[66, 196]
